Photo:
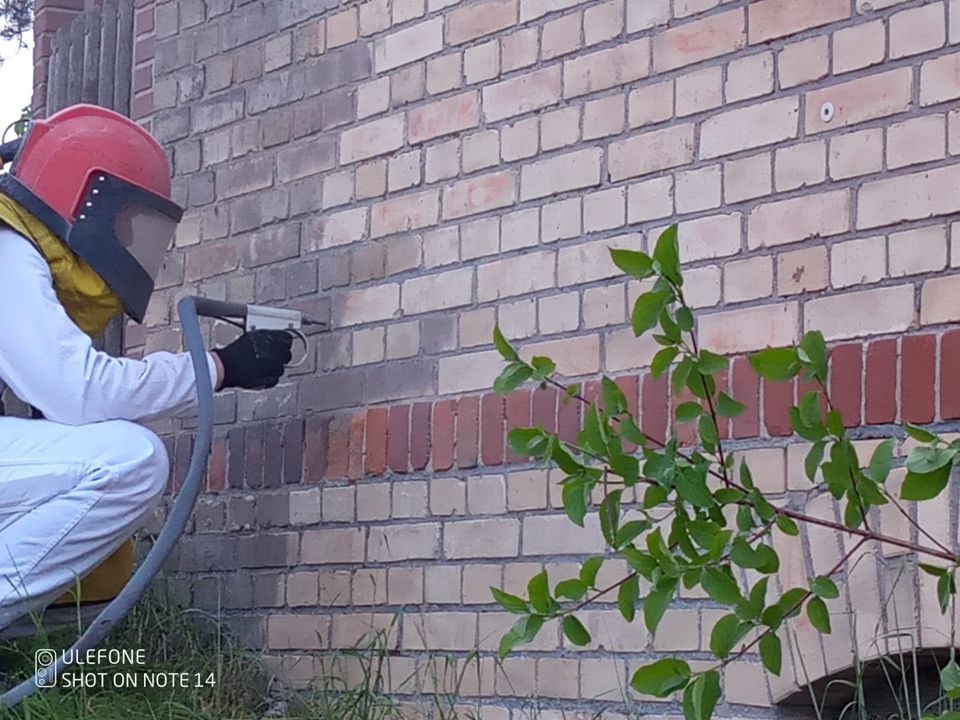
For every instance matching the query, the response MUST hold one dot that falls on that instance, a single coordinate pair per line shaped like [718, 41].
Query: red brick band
[872, 382]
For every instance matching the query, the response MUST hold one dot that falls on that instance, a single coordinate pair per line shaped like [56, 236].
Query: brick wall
[416, 170]
[51, 15]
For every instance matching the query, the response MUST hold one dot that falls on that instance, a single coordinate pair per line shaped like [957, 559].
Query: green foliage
[696, 523]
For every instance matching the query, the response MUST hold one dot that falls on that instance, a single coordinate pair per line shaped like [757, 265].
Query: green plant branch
[943, 554]
[798, 604]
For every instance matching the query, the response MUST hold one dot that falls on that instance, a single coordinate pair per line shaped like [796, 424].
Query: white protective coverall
[75, 485]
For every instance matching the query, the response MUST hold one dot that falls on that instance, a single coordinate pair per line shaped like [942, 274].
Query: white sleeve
[52, 365]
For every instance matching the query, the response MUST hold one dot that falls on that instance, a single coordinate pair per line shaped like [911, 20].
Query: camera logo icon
[45, 672]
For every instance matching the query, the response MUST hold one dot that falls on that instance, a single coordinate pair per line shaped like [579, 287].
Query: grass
[175, 640]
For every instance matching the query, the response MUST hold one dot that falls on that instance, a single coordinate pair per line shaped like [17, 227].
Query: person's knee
[141, 462]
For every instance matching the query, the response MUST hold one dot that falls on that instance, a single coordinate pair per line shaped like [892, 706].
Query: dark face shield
[123, 232]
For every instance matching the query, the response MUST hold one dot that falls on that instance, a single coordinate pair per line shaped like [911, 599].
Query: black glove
[256, 360]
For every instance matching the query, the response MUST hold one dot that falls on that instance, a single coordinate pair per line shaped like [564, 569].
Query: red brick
[376, 450]
[293, 451]
[468, 431]
[518, 415]
[217, 465]
[420, 436]
[591, 391]
[846, 372]
[338, 454]
[444, 415]
[545, 408]
[917, 376]
[355, 462]
[568, 419]
[949, 377]
[881, 382]
[253, 456]
[653, 403]
[746, 389]
[777, 399]
[398, 438]
[491, 432]
[315, 452]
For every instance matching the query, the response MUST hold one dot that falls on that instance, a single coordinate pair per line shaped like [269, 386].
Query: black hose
[179, 515]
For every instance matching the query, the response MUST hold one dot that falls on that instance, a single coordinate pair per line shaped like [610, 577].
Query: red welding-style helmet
[101, 183]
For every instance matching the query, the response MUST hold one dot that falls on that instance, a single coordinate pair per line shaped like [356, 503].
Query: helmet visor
[146, 233]
[123, 232]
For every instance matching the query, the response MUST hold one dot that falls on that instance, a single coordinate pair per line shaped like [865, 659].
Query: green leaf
[614, 401]
[685, 319]
[661, 678]
[818, 614]
[572, 589]
[528, 442]
[630, 531]
[681, 374]
[711, 363]
[543, 367]
[787, 526]
[771, 653]
[815, 350]
[728, 407]
[503, 345]
[523, 631]
[776, 363]
[513, 376]
[633, 263]
[825, 588]
[630, 431]
[667, 254]
[726, 633]
[646, 310]
[661, 361]
[575, 497]
[743, 555]
[810, 409]
[510, 603]
[610, 516]
[813, 460]
[671, 330]
[575, 631]
[945, 589]
[700, 697]
[924, 460]
[917, 486]
[627, 597]
[688, 412]
[919, 434]
[746, 477]
[589, 570]
[950, 679]
[657, 601]
[708, 431]
[769, 561]
[758, 596]
[539, 591]
[719, 584]
[835, 423]
[932, 570]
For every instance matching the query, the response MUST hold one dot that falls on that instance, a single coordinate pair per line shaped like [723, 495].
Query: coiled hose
[189, 310]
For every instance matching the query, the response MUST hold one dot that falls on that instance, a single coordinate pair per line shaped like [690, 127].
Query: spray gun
[259, 317]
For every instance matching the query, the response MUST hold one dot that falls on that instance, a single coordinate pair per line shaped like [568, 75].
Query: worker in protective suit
[85, 220]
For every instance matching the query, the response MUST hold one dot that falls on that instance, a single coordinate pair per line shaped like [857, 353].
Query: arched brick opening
[887, 606]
